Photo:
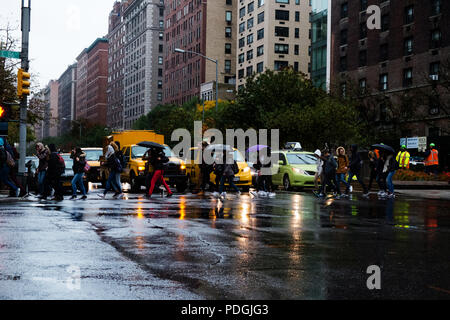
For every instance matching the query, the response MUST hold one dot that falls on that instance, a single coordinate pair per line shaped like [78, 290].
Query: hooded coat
[342, 161]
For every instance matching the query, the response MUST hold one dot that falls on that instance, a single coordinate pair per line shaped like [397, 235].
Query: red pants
[158, 176]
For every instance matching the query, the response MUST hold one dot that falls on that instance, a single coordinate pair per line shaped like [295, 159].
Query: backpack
[118, 165]
[61, 166]
[10, 160]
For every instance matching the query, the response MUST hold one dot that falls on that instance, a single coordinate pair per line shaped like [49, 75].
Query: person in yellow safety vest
[431, 160]
[403, 158]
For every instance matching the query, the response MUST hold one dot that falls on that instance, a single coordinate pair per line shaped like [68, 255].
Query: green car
[294, 169]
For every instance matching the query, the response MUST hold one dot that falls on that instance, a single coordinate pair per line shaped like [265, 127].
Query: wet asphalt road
[195, 247]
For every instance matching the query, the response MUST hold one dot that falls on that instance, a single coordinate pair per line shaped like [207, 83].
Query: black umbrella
[383, 147]
[150, 145]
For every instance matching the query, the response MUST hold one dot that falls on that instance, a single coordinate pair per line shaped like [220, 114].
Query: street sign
[9, 54]
[412, 143]
[402, 142]
[422, 146]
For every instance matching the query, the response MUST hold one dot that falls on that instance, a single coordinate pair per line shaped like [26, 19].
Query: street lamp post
[217, 70]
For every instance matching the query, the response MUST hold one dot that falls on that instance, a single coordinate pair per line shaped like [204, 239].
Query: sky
[60, 30]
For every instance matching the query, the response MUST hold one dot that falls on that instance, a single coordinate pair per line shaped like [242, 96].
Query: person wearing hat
[431, 160]
[403, 158]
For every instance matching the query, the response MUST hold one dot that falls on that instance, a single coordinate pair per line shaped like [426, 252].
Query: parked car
[93, 156]
[294, 169]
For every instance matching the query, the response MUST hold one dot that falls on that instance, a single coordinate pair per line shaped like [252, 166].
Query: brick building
[67, 87]
[205, 27]
[92, 83]
[397, 60]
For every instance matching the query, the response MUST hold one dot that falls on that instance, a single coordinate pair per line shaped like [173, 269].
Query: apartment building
[144, 56]
[67, 86]
[116, 64]
[319, 43]
[205, 28]
[399, 58]
[272, 34]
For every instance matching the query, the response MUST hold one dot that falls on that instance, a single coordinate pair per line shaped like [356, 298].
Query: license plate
[237, 179]
[67, 184]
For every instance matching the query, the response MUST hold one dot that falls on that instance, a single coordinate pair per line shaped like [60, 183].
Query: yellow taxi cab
[135, 170]
[242, 179]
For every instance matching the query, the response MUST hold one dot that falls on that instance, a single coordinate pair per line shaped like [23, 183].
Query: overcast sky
[60, 30]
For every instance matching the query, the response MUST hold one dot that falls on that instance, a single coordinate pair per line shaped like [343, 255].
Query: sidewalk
[422, 185]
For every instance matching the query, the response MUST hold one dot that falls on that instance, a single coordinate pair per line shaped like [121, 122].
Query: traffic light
[23, 83]
[5, 113]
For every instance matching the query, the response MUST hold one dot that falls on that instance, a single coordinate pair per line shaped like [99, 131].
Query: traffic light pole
[26, 10]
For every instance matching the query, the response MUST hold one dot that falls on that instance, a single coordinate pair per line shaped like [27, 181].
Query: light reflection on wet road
[187, 247]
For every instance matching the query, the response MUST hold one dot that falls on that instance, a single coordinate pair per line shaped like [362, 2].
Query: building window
[241, 27]
[282, 15]
[241, 58]
[228, 32]
[384, 52]
[229, 2]
[250, 23]
[281, 48]
[250, 38]
[260, 3]
[362, 85]
[241, 42]
[343, 64]
[250, 7]
[362, 5]
[408, 46]
[280, 65]
[343, 38]
[297, 33]
[282, 1]
[434, 68]
[159, 96]
[260, 34]
[384, 22]
[260, 51]
[409, 14]
[363, 30]
[435, 7]
[363, 58]
[228, 16]
[241, 73]
[227, 48]
[297, 16]
[281, 32]
[242, 12]
[436, 37]
[407, 77]
[260, 17]
[260, 67]
[160, 60]
[227, 66]
[296, 66]
[344, 10]
[296, 49]
[383, 82]
[249, 71]
[249, 55]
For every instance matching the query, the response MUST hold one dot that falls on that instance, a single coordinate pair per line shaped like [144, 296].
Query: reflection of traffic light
[5, 113]
[23, 83]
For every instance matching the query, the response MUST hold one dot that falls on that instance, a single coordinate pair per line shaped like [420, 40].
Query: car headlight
[247, 169]
[141, 168]
[299, 171]
[183, 167]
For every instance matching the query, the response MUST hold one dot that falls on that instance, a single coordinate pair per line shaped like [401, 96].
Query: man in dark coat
[55, 169]
[355, 170]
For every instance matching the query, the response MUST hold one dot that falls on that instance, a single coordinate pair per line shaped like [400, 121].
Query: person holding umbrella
[157, 160]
